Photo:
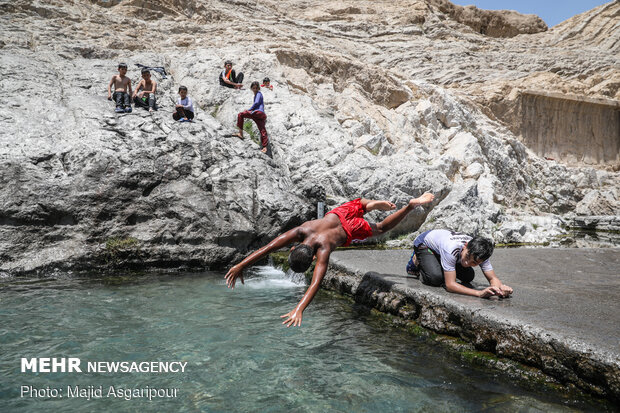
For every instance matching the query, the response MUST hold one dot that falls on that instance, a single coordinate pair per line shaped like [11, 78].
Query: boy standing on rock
[122, 89]
[442, 256]
[257, 114]
[319, 237]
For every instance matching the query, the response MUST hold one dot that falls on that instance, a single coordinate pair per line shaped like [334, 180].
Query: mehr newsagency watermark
[75, 365]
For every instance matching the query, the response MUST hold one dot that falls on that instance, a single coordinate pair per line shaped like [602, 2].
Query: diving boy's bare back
[318, 238]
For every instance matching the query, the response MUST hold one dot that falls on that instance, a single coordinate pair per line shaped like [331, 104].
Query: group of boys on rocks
[144, 96]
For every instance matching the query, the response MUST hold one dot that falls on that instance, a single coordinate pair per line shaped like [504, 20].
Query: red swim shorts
[351, 216]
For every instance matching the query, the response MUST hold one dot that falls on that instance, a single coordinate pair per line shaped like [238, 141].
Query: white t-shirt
[448, 244]
[187, 103]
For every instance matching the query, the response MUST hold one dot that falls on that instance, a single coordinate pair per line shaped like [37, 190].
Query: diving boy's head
[476, 251]
[300, 258]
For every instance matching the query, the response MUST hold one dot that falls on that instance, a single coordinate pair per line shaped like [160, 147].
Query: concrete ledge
[562, 319]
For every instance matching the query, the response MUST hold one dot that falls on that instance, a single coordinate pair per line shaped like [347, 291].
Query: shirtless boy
[318, 238]
[122, 89]
[144, 95]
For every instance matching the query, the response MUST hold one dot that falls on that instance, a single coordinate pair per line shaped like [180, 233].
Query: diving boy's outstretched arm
[283, 240]
[293, 318]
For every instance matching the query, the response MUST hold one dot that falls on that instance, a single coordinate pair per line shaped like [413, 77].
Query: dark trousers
[147, 101]
[235, 78]
[431, 272]
[260, 118]
[121, 99]
[183, 113]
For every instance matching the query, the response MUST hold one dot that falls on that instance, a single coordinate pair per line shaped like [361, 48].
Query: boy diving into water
[319, 237]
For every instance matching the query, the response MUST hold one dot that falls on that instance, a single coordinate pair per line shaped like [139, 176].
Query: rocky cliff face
[494, 23]
[380, 101]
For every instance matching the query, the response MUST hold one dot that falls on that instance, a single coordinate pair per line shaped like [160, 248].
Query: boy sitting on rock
[144, 95]
[267, 84]
[441, 257]
[184, 108]
[122, 89]
[228, 77]
[319, 237]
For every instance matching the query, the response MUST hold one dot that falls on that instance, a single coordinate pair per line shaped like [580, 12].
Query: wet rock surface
[374, 104]
[562, 317]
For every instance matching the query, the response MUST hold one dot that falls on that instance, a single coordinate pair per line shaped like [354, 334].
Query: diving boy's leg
[371, 205]
[392, 220]
[425, 198]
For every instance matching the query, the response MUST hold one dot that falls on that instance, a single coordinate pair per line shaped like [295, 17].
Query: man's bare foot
[239, 135]
[426, 198]
[264, 150]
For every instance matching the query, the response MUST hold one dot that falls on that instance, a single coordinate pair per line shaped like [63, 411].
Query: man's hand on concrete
[506, 290]
[490, 291]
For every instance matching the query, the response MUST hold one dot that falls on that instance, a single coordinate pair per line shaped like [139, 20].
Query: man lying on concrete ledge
[319, 237]
[442, 256]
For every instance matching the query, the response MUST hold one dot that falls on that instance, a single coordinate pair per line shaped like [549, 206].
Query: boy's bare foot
[421, 200]
[239, 135]
[264, 150]
[384, 205]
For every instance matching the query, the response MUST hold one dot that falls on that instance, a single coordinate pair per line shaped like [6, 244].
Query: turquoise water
[239, 357]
